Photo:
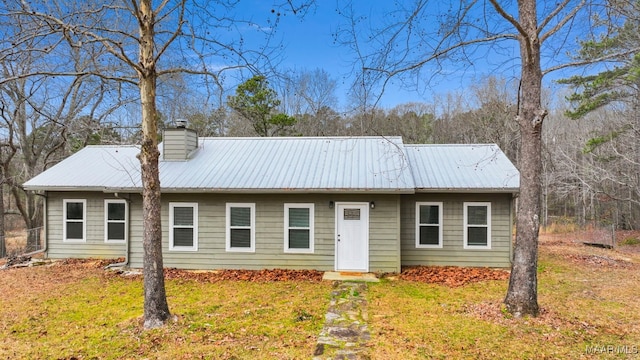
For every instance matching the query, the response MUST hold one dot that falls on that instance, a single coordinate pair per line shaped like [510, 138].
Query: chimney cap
[181, 123]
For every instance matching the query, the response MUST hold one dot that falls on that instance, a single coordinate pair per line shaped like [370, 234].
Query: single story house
[361, 204]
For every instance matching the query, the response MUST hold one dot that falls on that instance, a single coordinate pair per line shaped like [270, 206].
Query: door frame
[365, 228]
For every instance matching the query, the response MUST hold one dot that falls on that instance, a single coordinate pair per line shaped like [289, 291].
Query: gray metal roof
[294, 164]
[302, 164]
[480, 167]
[92, 168]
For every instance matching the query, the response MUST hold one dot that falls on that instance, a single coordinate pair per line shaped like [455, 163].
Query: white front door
[352, 237]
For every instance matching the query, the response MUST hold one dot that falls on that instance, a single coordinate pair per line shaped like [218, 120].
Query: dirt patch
[569, 247]
[496, 313]
[266, 275]
[626, 241]
[452, 275]
[599, 261]
[88, 263]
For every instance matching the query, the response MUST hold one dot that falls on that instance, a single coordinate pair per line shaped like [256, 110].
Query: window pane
[115, 211]
[298, 239]
[299, 217]
[74, 230]
[429, 214]
[477, 215]
[241, 238]
[182, 237]
[240, 216]
[477, 236]
[74, 211]
[115, 231]
[351, 214]
[183, 215]
[429, 235]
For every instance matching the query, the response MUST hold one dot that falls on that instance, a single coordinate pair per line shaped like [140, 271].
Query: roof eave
[290, 191]
[468, 190]
[272, 191]
[63, 188]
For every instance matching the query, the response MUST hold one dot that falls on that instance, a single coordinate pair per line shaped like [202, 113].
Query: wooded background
[51, 108]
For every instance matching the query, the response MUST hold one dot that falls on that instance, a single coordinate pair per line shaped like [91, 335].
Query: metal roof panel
[296, 163]
[336, 164]
[464, 167]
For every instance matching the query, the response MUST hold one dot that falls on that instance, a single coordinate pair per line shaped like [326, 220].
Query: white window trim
[107, 221]
[252, 227]
[84, 220]
[311, 227]
[466, 225]
[194, 247]
[439, 225]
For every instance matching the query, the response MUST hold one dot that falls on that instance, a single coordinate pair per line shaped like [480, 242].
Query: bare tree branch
[552, 15]
[569, 17]
[600, 59]
[516, 24]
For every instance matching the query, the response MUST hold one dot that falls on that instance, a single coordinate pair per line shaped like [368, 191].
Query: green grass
[581, 306]
[74, 312]
[99, 317]
[631, 240]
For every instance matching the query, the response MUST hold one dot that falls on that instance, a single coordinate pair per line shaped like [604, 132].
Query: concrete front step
[349, 276]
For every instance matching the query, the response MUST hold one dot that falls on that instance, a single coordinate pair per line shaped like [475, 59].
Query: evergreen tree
[258, 103]
[618, 49]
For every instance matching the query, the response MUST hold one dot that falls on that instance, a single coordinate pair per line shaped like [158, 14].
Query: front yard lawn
[80, 312]
[589, 300]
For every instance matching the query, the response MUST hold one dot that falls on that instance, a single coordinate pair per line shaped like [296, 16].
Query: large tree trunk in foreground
[3, 247]
[156, 309]
[522, 295]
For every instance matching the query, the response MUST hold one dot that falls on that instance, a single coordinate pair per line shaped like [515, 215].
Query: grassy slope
[93, 316]
[77, 311]
[582, 305]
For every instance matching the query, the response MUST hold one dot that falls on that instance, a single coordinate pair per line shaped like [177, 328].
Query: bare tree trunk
[522, 295]
[156, 309]
[3, 247]
[79, 27]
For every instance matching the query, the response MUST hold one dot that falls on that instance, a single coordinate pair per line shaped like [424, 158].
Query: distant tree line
[80, 73]
[586, 160]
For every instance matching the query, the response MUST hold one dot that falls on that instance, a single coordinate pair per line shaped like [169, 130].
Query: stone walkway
[345, 334]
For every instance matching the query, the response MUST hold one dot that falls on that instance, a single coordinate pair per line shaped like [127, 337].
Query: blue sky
[309, 43]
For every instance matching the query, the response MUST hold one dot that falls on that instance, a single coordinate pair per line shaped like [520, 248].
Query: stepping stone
[345, 334]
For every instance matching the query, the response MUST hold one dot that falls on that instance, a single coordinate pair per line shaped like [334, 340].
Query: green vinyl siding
[391, 231]
[270, 251]
[453, 252]
[95, 245]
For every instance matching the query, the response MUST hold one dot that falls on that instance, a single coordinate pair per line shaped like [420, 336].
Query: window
[241, 230]
[183, 226]
[351, 214]
[477, 225]
[115, 221]
[429, 225]
[298, 228]
[75, 216]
